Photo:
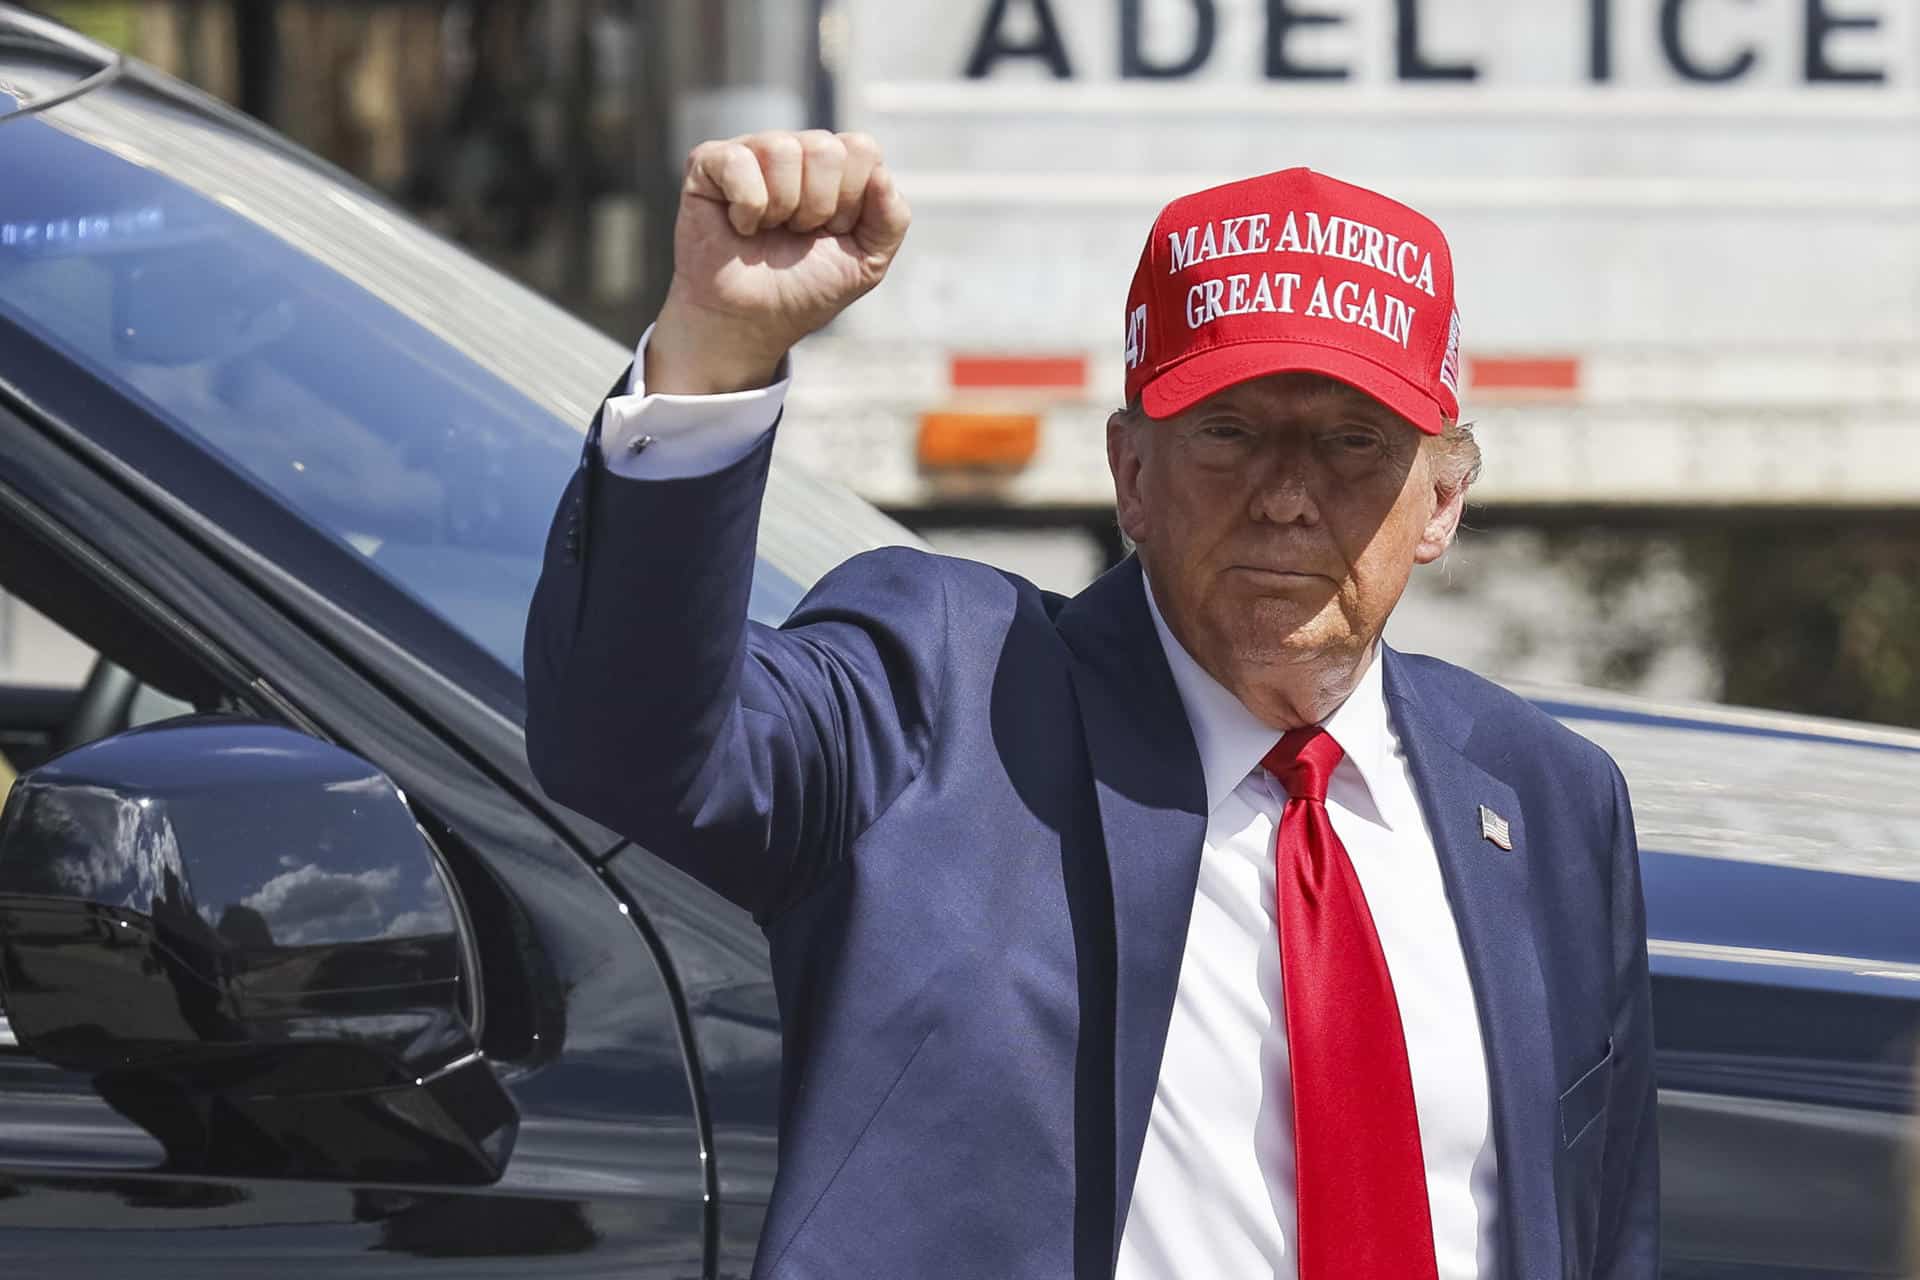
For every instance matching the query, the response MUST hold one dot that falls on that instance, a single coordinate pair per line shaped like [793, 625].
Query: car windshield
[399, 396]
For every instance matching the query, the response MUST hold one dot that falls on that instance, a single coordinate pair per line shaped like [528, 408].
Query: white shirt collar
[1232, 740]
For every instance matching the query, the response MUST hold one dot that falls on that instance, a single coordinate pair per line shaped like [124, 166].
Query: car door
[1778, 859]
[581, 1024]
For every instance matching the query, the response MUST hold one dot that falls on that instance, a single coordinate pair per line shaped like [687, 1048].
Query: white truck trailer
[1685, 231]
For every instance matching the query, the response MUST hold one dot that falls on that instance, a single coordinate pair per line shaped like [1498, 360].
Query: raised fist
[777, 234]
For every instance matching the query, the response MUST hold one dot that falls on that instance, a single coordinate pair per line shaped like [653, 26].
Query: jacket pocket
[1579, 1166]
[1585, 1101]
[779, 1250]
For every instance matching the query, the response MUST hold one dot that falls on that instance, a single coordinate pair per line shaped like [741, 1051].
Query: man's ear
[1125, 461]
[1441, 525]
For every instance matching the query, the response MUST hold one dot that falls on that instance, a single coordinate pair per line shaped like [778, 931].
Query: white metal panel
[1045, 263]
[1735, 267]
[1820, 427]
[1512, 42]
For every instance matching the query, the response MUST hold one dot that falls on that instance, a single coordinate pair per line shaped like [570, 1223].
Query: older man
[1179, 929]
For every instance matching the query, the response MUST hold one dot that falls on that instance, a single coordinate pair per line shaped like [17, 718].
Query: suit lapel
[1488, 889]
[1152, 800]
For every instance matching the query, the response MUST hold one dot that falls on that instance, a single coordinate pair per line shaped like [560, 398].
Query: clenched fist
[777, 234]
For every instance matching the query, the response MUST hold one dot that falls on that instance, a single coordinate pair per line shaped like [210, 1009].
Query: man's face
[1279, 520]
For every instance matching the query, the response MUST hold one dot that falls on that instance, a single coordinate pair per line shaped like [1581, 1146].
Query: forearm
[749, 757]
[634, 650]
[702, 354]
[648, 573]
[652, 704]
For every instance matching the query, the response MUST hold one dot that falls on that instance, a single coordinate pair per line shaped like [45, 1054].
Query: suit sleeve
[1629, 1226]
[750, 757]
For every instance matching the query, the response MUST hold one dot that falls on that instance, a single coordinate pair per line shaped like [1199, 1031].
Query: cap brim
[1203, 374]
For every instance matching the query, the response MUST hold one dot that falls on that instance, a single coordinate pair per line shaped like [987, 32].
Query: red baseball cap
[1294, 271]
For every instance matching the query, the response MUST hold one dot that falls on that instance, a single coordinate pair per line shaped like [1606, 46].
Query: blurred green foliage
[1818, 619]
[109, 22]
[1796, 615]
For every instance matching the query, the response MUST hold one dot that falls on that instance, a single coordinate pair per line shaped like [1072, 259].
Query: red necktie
[1360, 1184]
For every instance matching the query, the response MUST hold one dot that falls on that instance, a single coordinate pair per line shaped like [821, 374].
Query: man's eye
[1221, 431]
[1357, 441]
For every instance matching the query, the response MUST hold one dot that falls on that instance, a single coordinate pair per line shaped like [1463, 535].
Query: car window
[37, 651]
[36, 654]
[57, 689]
[402, 398]
[40, 663]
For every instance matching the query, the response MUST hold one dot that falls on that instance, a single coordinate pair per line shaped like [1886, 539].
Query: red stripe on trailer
[996, 372]
[1531, 373]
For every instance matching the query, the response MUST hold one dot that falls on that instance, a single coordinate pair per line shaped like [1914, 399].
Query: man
[1178, 929]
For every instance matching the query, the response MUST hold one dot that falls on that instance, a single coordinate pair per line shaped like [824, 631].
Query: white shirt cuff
[687, 435]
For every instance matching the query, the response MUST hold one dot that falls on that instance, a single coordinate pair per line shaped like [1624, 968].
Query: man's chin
[1283, 631]
[1304, 612]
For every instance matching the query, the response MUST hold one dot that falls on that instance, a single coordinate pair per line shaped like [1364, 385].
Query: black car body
[281, 457]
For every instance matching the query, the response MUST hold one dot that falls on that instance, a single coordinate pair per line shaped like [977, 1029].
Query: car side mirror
[247, 938]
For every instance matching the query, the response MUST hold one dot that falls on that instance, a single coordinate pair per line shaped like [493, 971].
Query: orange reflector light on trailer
[1527, 373]
[1003, 372]
[1001, 440]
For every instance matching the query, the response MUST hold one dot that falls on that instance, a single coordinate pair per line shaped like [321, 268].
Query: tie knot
[1303, 760]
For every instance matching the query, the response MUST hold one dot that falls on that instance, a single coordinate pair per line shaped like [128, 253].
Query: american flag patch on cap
[1450, 365]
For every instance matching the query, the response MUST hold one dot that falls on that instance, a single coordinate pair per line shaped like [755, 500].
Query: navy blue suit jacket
[968, 814]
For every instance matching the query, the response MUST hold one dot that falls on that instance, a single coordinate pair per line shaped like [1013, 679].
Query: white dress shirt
[1215, 1191]
[684, 435]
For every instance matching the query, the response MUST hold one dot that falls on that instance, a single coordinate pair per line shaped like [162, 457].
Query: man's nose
[1283, 489]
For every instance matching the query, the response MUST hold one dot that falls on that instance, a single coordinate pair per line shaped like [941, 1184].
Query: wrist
[694, 352]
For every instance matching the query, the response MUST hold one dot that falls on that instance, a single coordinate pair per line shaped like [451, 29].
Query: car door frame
[297, 657]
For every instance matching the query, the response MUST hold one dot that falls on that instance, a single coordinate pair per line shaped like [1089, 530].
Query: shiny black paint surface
[723, 963]
[605, 1176]
[1787, 1093]
[108, 1226]
[263, 837]
[186, 890]
[1755, 904]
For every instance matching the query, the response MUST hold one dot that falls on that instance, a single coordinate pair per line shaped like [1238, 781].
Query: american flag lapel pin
[1495, 828]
